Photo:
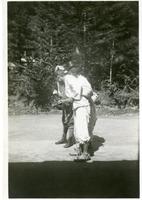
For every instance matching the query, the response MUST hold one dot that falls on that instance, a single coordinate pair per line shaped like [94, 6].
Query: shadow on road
[64, 179]
[95, 143]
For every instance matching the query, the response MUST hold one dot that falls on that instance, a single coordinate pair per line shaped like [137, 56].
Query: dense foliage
[44, 34]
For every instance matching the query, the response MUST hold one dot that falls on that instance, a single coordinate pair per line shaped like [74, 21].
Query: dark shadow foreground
[54, 179]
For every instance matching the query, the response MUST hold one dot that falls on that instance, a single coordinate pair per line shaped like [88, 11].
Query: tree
[105, 34]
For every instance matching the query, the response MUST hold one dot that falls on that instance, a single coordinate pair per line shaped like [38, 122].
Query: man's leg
[84, 155]
[70, 138]
[70, 132]
[65, 128]
[82, 132]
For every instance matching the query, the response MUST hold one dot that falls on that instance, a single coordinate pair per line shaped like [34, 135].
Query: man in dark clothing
[67, 112]
[67, 120]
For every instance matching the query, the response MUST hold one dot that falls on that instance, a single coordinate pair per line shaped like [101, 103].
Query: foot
[67, 145]
[82, 158]
[70, 142]
[87, 156]
[62, 141]
[79, 159]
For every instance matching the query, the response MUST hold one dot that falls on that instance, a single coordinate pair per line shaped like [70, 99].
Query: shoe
[79, 159]
[82, 158]
[67, 145]
[62, 141]
[70, 142]
[87, 157]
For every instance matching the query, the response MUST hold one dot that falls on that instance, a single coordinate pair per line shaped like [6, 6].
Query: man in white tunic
[79, 90]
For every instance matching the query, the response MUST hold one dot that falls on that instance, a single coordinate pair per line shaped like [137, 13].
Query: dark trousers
[67, 120]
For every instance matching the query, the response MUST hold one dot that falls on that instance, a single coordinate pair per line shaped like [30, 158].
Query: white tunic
[75, 87]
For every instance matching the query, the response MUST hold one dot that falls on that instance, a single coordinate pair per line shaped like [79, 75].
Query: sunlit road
[32, 138]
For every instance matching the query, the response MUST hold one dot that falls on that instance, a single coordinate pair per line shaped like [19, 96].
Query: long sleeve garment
[75, 88]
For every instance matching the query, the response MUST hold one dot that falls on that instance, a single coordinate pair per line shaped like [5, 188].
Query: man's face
[74, 71]
[60, 75]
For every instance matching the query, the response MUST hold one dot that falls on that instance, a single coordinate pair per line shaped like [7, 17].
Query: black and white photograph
[73, 99]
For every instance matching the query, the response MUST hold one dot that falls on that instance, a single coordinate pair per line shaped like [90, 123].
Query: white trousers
[81, 120]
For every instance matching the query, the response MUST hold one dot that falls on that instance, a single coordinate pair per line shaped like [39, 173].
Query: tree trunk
[51, 44]
[111, 62]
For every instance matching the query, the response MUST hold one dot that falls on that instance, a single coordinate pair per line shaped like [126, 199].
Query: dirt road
[32, 138]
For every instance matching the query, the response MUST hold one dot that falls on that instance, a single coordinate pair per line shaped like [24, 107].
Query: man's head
[74, 70]
[59, 68]
[60, 72]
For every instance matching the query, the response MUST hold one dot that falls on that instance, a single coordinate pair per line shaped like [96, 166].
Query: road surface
[32, 138]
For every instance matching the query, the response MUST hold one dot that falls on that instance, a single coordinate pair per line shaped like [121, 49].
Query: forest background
[100, 37]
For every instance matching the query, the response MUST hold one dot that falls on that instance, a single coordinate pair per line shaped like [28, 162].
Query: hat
[60, 68]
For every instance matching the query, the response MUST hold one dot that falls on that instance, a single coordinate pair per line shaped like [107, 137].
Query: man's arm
[72, 88]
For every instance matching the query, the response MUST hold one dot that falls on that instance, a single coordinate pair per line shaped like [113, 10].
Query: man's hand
[65, 101]
[60, 102]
